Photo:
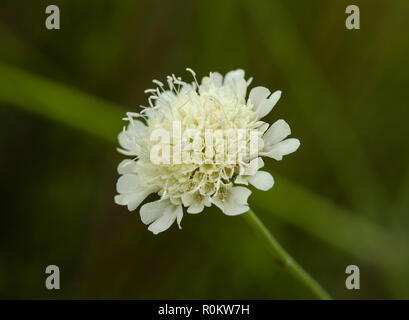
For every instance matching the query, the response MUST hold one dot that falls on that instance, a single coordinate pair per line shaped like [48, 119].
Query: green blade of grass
[58, 102]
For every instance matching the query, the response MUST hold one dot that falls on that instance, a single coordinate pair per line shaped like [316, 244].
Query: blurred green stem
[283, 258]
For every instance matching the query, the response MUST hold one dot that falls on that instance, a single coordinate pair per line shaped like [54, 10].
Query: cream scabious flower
[194, 177]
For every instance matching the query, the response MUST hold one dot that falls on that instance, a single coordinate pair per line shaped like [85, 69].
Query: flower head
[199, 144]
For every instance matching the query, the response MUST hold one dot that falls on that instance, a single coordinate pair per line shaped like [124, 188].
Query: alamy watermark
[194, 146]
[53, 20]
[353, 20]
[352, 282]
[52, 282]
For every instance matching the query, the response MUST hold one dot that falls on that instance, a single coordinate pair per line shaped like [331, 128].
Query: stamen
[171, 84]
[194, 75]
[157, 82]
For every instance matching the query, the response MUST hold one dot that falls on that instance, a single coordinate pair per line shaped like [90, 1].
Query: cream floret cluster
[213, 151]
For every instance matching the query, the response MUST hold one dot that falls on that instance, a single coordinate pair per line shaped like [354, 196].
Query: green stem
[283, 258]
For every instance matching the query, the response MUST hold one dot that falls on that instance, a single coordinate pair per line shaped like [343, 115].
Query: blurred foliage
[345, 196]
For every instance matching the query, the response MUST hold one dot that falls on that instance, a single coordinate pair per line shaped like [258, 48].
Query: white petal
[137, 127]
[130, 138]
[207, 201]
[165, 97]
[122, 199]
[187, 199]
[241, 180]
[252, 167]
[261, 126]
[131, 194]
[234, 74]
[127, 143]
[278, 131]
[264, 108]
[196, 207]
[267, 105]
[127, 152]
[205, 85]
[275, 96]
[217, 78]
[179, 216]
[258, 94]
[161, 214]
[128, 183]
[127, 166]
[239, 87]
[262, 180]
[132, 200]
[282, 148]
[235, 202]
[186, 88]
[162, 224]
[151, 211]
[260, 162]
[240, 194]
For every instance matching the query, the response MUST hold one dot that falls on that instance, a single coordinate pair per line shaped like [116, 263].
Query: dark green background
[341, 199]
